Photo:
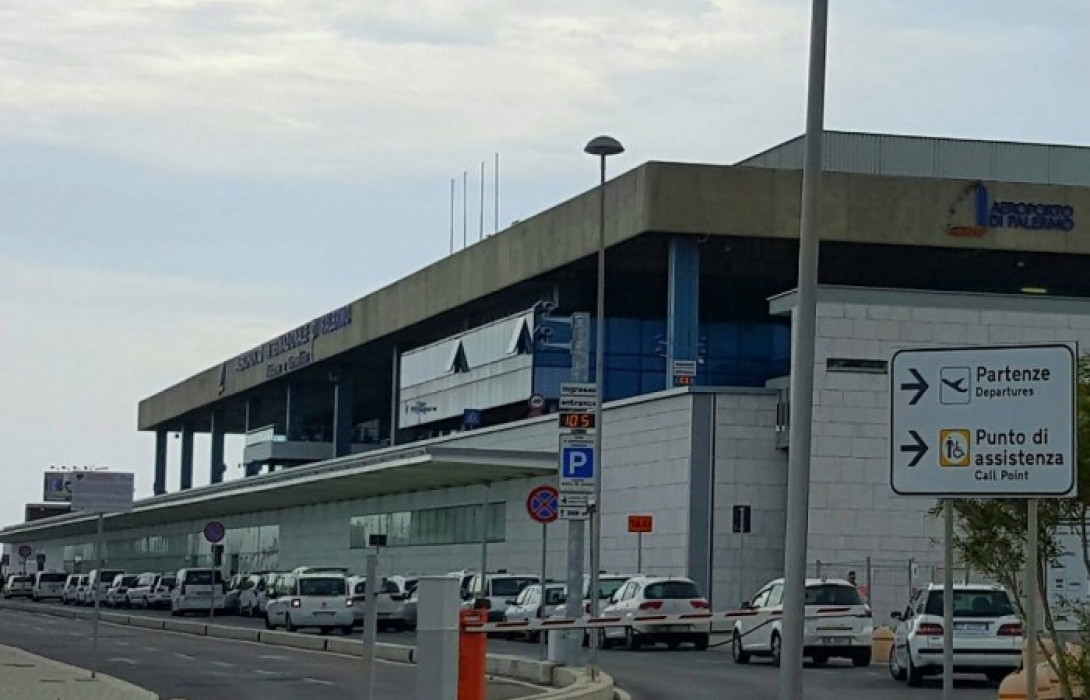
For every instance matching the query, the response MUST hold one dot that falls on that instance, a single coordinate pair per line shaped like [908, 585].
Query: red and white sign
[642, 524]
[543, 504]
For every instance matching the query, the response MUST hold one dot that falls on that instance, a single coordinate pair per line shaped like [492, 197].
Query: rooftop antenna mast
[452, 216]
[496, 219]
[465, 202]
[480, 231]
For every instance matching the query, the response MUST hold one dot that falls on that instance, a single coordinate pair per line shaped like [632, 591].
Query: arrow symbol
[920, 448]
[920, 387]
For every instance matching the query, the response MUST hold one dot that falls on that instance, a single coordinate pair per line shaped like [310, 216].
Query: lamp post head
[603, 146]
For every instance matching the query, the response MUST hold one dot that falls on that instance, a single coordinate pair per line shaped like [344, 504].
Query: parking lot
[658, 674]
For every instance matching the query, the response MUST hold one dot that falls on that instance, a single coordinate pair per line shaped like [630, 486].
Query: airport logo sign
[985, 421]
[990, 213]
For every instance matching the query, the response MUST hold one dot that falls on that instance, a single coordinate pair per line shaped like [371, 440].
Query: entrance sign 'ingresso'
[988, 421]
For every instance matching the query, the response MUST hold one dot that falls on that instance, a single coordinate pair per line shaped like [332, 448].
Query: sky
[181, 180]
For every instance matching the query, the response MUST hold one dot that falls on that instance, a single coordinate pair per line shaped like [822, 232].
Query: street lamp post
[602, 147]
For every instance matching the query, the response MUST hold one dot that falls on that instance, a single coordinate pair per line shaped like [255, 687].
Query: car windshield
[21, 579]
[109, 576]
[670, 590]
[321, 586]
[53, 578]
[510, 587]
[608, 587]
[982, 603]
[168, 581]
[833, 594]
[129, 581]
[201, 578]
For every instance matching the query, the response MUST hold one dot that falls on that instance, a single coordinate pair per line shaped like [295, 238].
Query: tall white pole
[948, 599]
[484, 539]
[95, 592]
[1031, 600]
[599, 385]
[802, 370]
[370, 626]
[543, 639]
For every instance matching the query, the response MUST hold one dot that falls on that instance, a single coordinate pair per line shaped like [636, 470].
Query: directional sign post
[543, 505]
[980, 422]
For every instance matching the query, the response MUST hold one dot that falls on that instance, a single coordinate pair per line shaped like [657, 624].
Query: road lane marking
[122, 660]
[223, 664]
[266, 673]
[317, 681]
[273, 657]
[180, 655]
[121, 643]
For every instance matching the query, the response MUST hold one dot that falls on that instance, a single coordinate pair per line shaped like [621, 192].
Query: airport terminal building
[426, 410]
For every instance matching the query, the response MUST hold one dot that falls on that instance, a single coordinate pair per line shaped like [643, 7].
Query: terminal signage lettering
[296, 342]
[983, 421]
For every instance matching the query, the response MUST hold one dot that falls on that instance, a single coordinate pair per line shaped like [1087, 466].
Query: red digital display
[577, 421]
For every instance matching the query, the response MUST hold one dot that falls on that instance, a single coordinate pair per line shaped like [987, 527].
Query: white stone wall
[853, 512]
[749, 470]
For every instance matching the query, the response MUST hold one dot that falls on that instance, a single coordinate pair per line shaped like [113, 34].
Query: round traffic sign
[25, 550]
[214, 531]
[543, 504]
[537, 401]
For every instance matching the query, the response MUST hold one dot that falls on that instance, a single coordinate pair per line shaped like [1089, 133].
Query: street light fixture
[602, 147]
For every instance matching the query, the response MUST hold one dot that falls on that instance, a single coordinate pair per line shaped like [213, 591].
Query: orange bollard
[472, 655]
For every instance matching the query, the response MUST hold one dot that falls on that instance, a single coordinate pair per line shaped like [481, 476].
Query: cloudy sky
[182, 179]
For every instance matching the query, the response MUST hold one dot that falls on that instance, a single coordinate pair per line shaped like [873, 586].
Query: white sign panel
[577, 464]
[684, 368]
[989, 421]
[102, 492]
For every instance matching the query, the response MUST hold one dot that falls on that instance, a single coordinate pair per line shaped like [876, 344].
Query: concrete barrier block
[151, 623]
[115, 618]
[344, 645]
[186, 627]
[246, 634]
[291, 639]
[581, 687]
[394, 652]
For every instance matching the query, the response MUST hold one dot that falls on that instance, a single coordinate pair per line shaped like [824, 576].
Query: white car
[249, 592]
[117, 593]
[48, 584]
[98, 583]
[152, 590]
[390, 602]
[987, 634]
[529, 605]
[499, 588]
[197, 590]
[657, 595]
[838, 623]
[72, 588]
[19, 585]
[310, 600]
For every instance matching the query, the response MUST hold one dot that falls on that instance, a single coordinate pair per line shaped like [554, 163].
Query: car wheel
[915, 677]
[701, 643]
[604, 642]
[346, 630]
[776, 649]
[144, 603]
[324, 630]
[673, 645]
[35, 598]
[288, 625]
[819, 659]
[737, 651]
[632, 640]
[269, 623]
[861, 658]
[174, 611]
[895, 669]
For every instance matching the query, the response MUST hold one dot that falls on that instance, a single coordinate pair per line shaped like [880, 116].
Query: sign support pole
[543, 652]
[948, 599]
[639, 552]
[98, 581]
[573, 608]
[1031, 599]
[484, 538]
[370, 622]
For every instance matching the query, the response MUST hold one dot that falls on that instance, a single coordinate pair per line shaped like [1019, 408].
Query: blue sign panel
[577, 462]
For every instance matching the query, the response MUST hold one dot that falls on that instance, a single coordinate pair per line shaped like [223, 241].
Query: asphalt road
[660, 674]
[203, 668]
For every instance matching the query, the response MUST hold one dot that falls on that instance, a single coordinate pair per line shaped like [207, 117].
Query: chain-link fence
[886, 584]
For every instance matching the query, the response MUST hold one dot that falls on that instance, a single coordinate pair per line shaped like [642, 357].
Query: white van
[197, 590]
[310, 600]
[99, 582]
[48, 584]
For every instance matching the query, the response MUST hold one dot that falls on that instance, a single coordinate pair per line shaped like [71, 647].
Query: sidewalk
[29, 677]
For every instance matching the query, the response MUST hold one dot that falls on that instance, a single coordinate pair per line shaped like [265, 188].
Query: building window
[429, 526]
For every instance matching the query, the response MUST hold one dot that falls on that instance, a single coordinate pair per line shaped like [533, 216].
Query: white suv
[72, 588]
[987, 634]
[838, 623]
[499, 588]
[19, 584]
[529, 606]
[152, 590]
[390, 601]
[310, 600]
[657, 595]
[197, 590]
[48, 584]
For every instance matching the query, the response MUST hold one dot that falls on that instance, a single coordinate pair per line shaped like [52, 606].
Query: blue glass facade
[736, 353]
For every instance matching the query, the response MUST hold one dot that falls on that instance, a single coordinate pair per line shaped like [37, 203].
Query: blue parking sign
[577, 462]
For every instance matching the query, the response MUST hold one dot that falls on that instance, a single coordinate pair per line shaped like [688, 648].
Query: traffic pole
[543, 651]
[94, 591]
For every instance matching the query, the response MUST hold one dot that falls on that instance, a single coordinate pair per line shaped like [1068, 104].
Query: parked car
[465, 577]
[661, 595]
[248, 592]
[310, 600]
[117, 593]
[19, 585]
[498, 588]
[412, 602]
[197, 590]
[152, 590]
[987, 634]
[530, 606]
[98, 583]
[72, 587]
[390, 602]
[261, 593]
[847, 634]
[48, 584]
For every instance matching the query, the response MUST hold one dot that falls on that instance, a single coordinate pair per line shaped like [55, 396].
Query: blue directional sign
[577, 463]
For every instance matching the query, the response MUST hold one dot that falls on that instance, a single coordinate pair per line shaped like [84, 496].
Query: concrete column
[342, 416]
[683, 304]
[160, 462]
[216, 466]
[293, 412]
[437, 639]
[187, 457]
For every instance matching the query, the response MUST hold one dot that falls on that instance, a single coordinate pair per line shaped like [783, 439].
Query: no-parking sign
[543, 504]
